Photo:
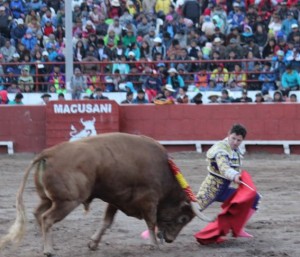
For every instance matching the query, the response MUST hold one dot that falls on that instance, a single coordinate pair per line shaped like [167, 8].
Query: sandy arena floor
[276, 226]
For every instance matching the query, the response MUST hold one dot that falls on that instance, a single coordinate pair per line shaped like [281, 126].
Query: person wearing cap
[174, 79]
[295, 31]
[10, 78]
[45, 98]
[244, 98]
[19, 31]
[218, 47]
[290, 80]
[17, 100]
[150, 36]
[278, 64]
[287, 24]
[166, 96]
[234, 45]
[236, 16]
[158, 47]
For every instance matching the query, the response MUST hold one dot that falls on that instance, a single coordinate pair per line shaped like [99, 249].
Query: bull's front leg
[107, 221]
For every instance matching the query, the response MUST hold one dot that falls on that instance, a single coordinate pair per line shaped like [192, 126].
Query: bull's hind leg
[43, 207]
[107, 221]
[56, 213]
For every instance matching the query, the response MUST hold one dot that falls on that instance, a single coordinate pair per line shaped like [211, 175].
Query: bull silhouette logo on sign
[87, 131]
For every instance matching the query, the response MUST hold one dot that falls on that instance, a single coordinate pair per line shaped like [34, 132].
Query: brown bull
[131, 173]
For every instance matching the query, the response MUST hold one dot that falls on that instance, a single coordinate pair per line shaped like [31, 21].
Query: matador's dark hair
[238, 129]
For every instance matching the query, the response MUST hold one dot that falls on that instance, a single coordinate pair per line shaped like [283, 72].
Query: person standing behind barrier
[78, 84]
[267, 78]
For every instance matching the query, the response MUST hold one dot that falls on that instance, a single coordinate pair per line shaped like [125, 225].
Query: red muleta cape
[234, 213]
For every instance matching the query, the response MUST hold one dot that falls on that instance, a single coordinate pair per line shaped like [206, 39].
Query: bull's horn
[94, 119]
[81, 120]
[199, 214]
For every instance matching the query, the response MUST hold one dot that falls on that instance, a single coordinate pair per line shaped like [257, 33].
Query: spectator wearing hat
[140, 98]
[290, 80]
[48, 28]
[174, 79]
[234, 46]
[10, 78]
[158, 47]
[214, 98]
[17, 100]
[218, 47]
[110, 40]
[295, 31]
[25, 81]
[220, 77]
[114, 9]
[166, 96]
[287, 24]
[267, 78]
[236, 16]
[19, 31]
[45, 98]
[278, 64]
[244, 98]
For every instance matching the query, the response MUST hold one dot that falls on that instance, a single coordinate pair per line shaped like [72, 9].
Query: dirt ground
[276, 226]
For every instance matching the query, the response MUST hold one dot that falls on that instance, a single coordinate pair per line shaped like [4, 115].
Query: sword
[246, 185]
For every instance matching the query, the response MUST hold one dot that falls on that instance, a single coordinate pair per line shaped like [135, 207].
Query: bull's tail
[17, 230]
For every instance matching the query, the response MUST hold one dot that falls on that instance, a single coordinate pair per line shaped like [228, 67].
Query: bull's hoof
[93, 245]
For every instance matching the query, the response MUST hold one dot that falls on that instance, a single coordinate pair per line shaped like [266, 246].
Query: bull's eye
[183, 219]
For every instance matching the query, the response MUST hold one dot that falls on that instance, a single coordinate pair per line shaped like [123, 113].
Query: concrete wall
[25, 125]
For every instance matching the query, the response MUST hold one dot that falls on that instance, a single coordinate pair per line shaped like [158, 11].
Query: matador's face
[234, 141]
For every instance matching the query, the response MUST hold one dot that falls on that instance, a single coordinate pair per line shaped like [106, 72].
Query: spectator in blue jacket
[18, 31]
[17, 8]
[267, 78]
[286, 27]
[29, 40]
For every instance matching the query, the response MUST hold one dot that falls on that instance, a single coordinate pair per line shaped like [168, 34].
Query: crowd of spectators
[141, 46]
